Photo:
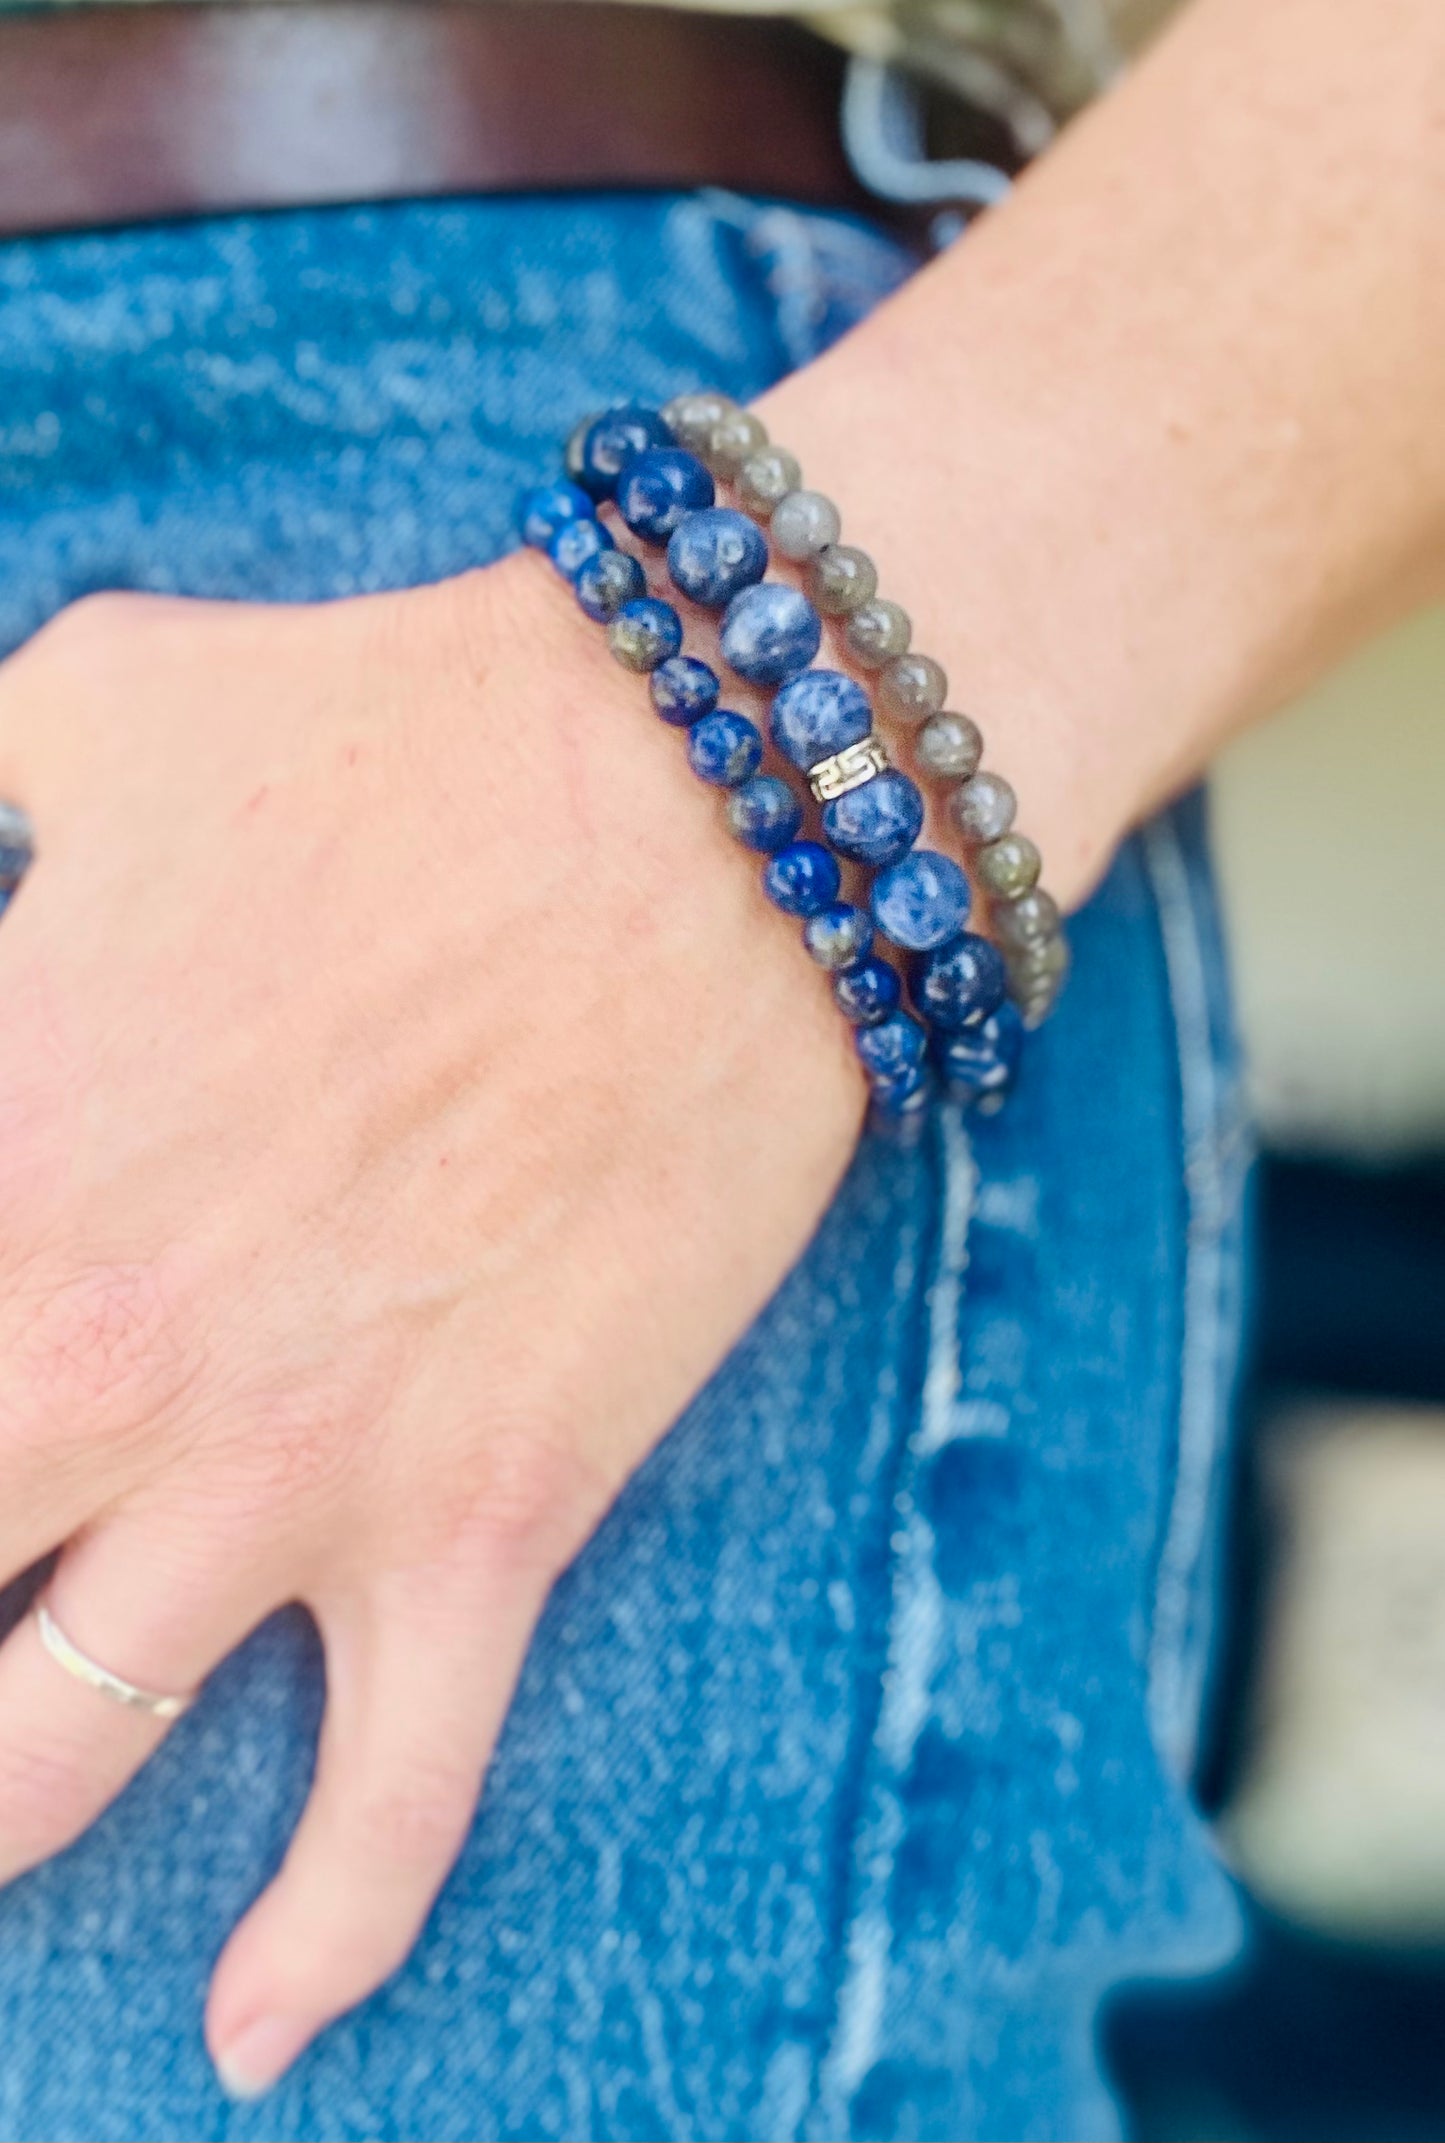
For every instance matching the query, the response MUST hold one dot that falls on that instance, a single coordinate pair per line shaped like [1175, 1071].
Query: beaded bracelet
[821, 720]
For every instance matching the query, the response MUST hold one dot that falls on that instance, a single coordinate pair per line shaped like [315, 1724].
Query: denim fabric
[844, 1775]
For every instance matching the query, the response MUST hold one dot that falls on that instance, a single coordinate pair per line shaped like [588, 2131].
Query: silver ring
[95, 1676]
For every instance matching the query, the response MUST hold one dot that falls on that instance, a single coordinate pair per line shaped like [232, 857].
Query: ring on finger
[90, 1671]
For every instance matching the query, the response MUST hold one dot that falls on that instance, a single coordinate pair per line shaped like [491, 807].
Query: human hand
[407, 1099]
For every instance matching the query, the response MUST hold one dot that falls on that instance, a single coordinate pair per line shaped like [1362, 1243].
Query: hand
[407, 1098]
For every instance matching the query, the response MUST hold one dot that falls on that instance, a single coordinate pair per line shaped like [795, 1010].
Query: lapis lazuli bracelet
[821, 721]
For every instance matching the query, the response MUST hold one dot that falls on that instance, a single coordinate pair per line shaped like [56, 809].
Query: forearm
[1163, 436]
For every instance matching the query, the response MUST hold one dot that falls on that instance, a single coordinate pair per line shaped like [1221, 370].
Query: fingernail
[259, 2055]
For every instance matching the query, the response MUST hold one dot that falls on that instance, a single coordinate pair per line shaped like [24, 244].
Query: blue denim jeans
[846, 1775]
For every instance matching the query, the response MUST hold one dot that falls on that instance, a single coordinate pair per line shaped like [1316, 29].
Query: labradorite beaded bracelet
[821, 721]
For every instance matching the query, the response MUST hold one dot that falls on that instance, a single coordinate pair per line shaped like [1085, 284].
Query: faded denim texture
[844, 1775]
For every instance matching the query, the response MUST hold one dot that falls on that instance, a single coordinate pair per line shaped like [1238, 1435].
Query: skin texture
[408, 1097]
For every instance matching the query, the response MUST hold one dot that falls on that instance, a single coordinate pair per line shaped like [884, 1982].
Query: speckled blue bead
[713, 555]
[877, 823]
[900, 1109]
[769, 633]
[613, 440]
[17, 847]
[660, 488]
[981, 1065]
[608, 581]
[868, 992]
[645, 633]
[764, 813]
[818, 714]
[802, 879]
[683, 688]
[574, 543]
[921, 902]
[724, 748]
[960, 985]
[892, 1047]
[542, 512]
[840, 937]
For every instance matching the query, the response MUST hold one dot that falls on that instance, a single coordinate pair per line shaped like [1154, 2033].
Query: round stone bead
[645, 633]
[841, 579]
[766, 477]
[613, 440]
[840, 937]
[17, 847]
[804, 523]
[1036, 976]
[980, 1066]
[724, 749]
[608, 581]
[572, 460]
[657, 490]
[574, 543]
[690, 417]
[949, 745]
[734, 439]
[960, 985]
[1008, 866]
[682, 688]
[877, 823]
[764, 813]
[893, 1046]
[900, 1108]
[714, 555]
[983, 807]
[911, 688]
[921, 902]
[877, 631]
[1029, 920]
[770, 632]
[549, 507]
[867, 993]
[802, 879]
[818, 714]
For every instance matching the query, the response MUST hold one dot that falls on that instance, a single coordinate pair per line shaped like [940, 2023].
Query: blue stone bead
[660, 488]
[877, 823]
[840, 937]
[613, 440]
[981, 1066]
[713, 555]
[921, 902]
[818, 714]
[764, 813]
[769, 633]
[550, 507]
[574, 543]
[724, 748]
[867, 992]
[802, 879]
[961, 984]
[900, 1109]
[683, 688]
[904, 1092]
[644, 633]
[892, 1047]
[608, 581]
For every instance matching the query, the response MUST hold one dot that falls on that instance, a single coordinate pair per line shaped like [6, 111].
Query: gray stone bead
[877, 631]
[804, 523]
[912, 687]
[690, 417]
[766, 477]
[572, 452]
[983, 807]
[949, 745]
[840, 580]
[1035, 978]
[1027, 921]
[733, 440]
[1008, 867]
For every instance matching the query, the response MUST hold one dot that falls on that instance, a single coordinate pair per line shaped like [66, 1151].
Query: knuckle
[99, 1349]
[529, 1501]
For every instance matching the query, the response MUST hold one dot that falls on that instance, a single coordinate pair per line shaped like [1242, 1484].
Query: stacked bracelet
[821, 721]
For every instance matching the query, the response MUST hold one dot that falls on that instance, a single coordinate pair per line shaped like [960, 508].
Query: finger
[146, 1607]
[416, 1695]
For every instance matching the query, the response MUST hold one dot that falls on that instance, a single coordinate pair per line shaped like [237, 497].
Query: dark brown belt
[116, 114]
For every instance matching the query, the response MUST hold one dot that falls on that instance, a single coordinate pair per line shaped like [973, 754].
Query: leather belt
[115, 114]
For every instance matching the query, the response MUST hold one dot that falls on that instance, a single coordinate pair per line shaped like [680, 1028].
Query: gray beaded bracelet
[842, 582]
